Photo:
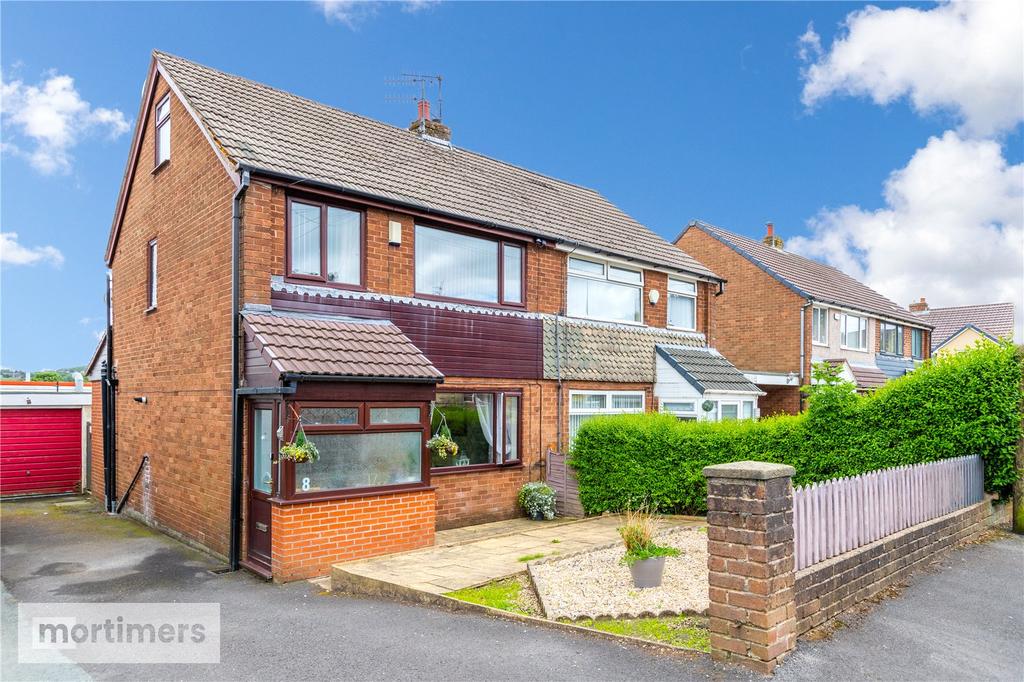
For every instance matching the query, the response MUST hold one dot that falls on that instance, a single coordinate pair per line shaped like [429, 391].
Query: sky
[886, 142]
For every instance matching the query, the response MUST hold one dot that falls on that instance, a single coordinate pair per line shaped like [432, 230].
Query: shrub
[537, 498]
[968, 403]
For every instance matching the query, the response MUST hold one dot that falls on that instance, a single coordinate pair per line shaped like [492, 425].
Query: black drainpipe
[108, 386]
[234, 551]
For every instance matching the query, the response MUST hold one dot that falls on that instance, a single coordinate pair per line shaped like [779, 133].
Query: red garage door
[40, 450]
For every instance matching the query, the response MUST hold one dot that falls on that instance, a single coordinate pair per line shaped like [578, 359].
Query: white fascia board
[772, 378]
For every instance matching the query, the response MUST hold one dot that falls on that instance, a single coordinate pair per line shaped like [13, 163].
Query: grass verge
[511, 594]
[690, 632]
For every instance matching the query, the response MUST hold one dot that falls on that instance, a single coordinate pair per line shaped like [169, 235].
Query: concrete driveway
[960, 623]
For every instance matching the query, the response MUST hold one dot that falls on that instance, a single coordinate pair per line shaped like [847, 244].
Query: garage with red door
[41, 446]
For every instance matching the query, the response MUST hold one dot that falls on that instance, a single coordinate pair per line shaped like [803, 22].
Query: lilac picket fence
[840, 515]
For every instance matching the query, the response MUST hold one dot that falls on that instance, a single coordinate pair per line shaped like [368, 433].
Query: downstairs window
[484, 424]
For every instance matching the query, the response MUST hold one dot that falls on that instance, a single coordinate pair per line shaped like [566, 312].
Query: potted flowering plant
[301, 450]
[646, 560]
[537, 500]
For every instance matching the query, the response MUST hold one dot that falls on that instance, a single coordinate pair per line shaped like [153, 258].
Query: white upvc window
[683, 410]
[682, 304]
[819, 326]
[854, 332]
[162, 122]
[584, 405]
[605, 291]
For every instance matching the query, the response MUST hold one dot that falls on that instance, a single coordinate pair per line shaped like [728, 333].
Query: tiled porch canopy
[311, 346]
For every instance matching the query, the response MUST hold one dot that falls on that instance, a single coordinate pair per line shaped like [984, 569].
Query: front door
[261, 484]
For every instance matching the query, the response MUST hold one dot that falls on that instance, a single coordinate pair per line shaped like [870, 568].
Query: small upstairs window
[602, 291]
[325, 243]
[892, 339]
[819, 326]
[917, 343]
[854, 332]
[682, 304]
[151, 275]
[163, 130]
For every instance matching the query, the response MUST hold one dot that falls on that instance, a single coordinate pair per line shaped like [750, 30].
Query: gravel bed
[595, 584]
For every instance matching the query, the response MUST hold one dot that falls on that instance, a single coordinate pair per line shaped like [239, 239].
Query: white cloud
[809, 44]
[13, 253]
[952, 229]
[353, 12]
[963, 56]
[53, 118]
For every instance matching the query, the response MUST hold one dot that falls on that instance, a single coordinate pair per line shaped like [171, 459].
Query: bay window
[819, 326]
[854, 332]
[682, 304]
[585, 405]
[325, 243]
[461, 266]
[892, 338]
[363, 446]
[484, 424]
[917, 343]
[603, 291]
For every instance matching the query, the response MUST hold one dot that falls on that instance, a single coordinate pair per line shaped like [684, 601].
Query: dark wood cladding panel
[458, 343]
[257, 371]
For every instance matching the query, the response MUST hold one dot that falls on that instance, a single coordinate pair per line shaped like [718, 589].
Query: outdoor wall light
[394, 233]
[141, 399]
[653, 296]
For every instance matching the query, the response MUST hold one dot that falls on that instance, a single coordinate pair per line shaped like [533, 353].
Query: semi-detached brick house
[387, 281]
[781, 312]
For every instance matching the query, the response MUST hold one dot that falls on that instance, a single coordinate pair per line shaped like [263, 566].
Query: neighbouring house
[275, 261]
[781, 312]
[960, 327]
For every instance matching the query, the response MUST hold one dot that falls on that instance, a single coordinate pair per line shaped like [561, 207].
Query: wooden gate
[562, 478]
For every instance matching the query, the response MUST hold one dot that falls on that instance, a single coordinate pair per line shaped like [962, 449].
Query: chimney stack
[771, 239]
[429, 128]
[920, 306]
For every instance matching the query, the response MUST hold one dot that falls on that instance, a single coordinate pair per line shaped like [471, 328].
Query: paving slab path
[466, 557]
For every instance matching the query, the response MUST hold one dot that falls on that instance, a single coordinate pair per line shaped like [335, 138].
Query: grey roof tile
[995, 319]
[341, 347]
[278, 132]
[819, 281]
[707, 369]
[595, 351]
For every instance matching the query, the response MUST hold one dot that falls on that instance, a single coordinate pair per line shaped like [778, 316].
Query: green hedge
[961, 404]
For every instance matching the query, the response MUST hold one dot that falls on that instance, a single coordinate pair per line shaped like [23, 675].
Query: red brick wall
[757, 320]
[779, 400]
[177, 356]
[308, 538]
[96, 443]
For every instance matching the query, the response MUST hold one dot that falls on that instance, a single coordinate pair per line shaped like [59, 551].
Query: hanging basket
[441, 444]
[301, 450]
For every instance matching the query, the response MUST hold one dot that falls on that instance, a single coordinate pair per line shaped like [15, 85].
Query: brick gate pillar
[751, 564]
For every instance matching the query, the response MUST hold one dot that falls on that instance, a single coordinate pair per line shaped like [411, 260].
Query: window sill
[819, 344]
[606, 321]
[311, 281]
[859, 350]
[681, 329]
[475, 468]
[160, 166]
[329, 496]
[470, 302]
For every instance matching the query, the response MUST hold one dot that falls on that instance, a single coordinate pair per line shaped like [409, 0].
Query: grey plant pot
[647, 572]
[537, 516]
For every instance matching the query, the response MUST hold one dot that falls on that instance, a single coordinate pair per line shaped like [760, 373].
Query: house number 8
[305, 483]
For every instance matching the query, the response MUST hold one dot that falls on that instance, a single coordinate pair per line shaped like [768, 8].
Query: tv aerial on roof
[422, 81]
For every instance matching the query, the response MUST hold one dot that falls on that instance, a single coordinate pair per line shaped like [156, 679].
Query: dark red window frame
[158, 123]
[502, 243]
[518, 393]
[287, 490]
[321, 279]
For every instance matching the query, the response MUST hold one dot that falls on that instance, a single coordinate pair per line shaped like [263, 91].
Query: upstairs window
[819, 326]
[917, 343]
[163, 130]
[453, 265]
[892, 338]
[325, 243]
[682, 304]
[151, 275]
[855, 332]
[603, 291]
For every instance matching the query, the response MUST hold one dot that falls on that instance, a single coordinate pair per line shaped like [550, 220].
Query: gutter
[234, 544]
[109, 407]
[803, 341]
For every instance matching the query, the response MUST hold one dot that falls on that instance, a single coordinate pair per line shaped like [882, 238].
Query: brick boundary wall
[759, 604]
[829, 587]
